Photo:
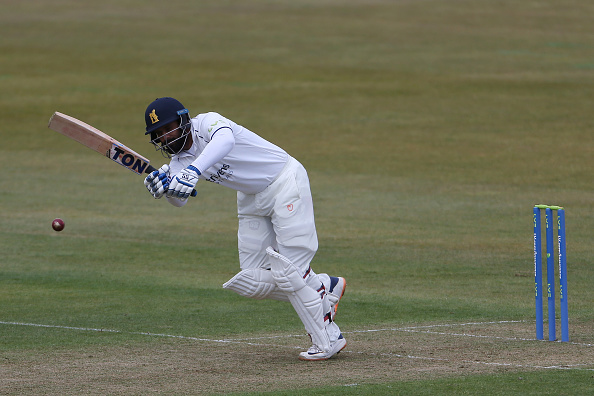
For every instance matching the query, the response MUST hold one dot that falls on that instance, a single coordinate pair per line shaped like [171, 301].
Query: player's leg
[256, 283]
[255, 233]
[335, 287]
[294, 226]
[325, 335]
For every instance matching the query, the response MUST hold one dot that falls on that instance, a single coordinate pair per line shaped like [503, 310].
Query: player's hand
[182, 185]
[157, 182]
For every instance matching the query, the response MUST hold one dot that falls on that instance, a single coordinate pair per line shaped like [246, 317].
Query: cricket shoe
[314, 353]
[335, 293]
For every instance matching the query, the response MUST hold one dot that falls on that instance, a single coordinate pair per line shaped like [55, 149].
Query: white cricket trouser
[281, 216]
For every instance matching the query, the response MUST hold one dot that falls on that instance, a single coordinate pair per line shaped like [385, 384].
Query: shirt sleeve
[221, 143]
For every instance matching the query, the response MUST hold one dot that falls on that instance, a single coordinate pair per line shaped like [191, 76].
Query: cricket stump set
[550, 271]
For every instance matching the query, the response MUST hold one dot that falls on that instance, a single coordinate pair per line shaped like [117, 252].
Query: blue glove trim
[183, 182]
[193, 168]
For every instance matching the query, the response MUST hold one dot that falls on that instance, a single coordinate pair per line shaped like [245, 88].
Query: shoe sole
[322, 358]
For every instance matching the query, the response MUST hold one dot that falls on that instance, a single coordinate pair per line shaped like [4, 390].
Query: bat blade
[100, 142]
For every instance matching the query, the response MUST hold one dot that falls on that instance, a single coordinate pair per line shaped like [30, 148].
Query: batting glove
[182, 185]
[157, 182]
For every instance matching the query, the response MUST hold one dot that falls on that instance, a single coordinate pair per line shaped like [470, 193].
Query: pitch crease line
[228, 341]
[238, 341]
[559, 367]
[410, 329]
[396, 329]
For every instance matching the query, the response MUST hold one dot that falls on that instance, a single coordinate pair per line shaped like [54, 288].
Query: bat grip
[149, 169]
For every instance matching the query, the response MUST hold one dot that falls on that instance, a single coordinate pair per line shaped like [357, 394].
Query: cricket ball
[58, 224]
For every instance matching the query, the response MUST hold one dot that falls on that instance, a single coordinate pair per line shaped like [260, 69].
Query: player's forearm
[177, 202]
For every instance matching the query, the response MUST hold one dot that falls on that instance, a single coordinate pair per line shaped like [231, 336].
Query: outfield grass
[429, 129]
[504, 384]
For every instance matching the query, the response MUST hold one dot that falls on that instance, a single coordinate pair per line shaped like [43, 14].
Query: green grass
[503, 384]
[429, 130]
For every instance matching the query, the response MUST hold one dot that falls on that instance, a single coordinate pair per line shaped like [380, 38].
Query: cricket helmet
[162, 111]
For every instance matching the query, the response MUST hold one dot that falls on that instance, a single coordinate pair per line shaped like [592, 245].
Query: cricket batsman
[277, 236]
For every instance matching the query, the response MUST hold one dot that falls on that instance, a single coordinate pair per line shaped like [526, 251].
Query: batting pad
[255, 283]
[305, 300]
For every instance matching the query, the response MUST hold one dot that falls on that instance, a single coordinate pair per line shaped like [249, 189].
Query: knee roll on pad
[255, 283]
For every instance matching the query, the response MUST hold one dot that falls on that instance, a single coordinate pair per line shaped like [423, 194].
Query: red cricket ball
[58, 224]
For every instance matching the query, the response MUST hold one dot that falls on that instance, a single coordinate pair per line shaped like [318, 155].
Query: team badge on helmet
[153, 115]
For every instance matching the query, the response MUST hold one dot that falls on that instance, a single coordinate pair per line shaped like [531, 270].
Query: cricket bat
[101, 142]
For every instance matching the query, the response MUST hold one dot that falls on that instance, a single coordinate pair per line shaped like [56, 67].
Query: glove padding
[183, 183]
[157, 182]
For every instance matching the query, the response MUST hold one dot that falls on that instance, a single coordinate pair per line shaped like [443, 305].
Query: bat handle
[150, 169]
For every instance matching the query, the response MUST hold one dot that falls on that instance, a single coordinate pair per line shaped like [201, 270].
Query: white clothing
[275, 208]
[242, 160]
[274, 202]
[281, 216]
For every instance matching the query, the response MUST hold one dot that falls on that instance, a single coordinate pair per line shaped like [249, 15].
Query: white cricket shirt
[236, 157]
